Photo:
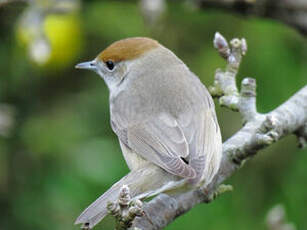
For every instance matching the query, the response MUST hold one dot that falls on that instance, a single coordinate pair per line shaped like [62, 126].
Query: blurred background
[57, 150]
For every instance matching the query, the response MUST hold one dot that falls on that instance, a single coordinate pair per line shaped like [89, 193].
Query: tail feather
[143, 180]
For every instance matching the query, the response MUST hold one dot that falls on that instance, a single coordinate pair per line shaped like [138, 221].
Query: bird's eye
[110, 65]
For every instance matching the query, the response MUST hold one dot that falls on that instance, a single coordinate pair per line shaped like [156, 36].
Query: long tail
[141, 181]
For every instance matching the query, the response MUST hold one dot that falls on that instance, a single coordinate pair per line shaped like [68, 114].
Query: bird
[164, 118]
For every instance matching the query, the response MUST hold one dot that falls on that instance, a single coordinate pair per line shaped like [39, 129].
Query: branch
[259, 131]
[291, 12]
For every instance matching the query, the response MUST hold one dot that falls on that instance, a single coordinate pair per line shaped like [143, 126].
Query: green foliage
[62, 153]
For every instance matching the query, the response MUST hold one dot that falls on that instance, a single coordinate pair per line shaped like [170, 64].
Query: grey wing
[205, 144]
[162, 141]
[203, 134]
[166, 141]
[159, 140]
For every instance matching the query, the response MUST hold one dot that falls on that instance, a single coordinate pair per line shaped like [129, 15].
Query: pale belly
[133, 160]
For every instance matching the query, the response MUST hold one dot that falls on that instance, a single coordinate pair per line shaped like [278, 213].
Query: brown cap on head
[127, 49]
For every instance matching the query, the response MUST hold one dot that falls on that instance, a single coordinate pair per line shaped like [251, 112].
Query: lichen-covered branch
[259, 131]
[291, 12]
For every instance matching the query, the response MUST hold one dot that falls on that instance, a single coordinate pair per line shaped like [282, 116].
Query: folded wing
[162, 141]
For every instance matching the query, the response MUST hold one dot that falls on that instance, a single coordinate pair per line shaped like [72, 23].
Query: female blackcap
[164, 118]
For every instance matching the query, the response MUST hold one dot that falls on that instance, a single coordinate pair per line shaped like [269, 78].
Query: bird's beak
[91, 65]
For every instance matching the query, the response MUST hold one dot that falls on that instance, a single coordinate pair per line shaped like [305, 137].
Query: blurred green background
[61, 153]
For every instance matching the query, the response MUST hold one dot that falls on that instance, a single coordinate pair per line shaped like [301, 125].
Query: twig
[291, 12]
[125, 209]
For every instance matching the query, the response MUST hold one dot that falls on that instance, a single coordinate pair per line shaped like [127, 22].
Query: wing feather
[157, 145]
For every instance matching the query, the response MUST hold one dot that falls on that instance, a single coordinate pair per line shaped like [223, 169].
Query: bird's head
[113, 63]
